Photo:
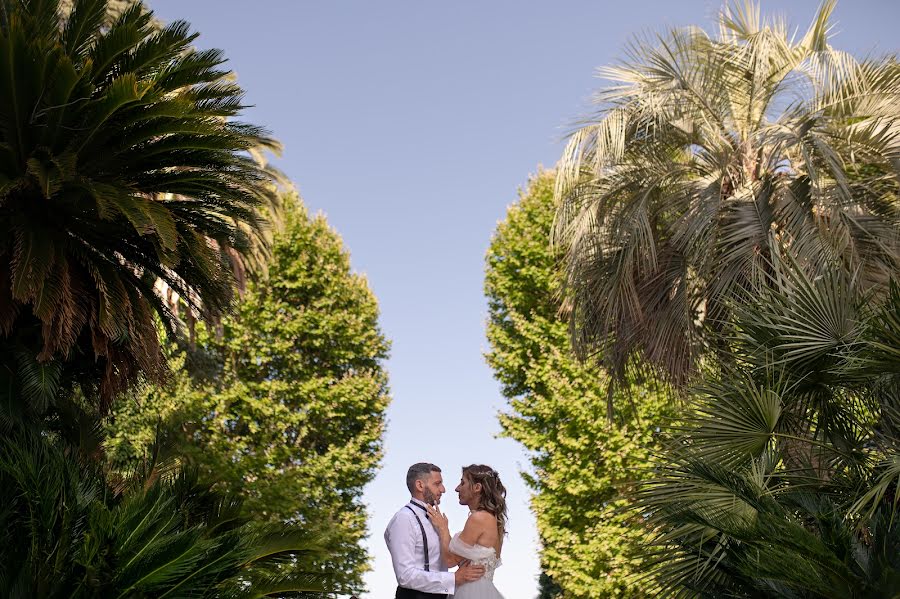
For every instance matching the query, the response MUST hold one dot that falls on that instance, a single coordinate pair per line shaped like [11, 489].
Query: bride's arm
[442, 526]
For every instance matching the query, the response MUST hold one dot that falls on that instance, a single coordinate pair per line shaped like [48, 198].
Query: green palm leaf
[164, 536]
[120, 161]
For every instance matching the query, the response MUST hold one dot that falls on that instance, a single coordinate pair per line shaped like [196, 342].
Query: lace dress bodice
[483, 556]
[477, 554]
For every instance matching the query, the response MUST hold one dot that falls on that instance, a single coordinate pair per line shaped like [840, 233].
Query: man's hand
[468, 572]
[438, 520]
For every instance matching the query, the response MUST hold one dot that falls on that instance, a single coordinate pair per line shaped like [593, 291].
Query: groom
[414, 543]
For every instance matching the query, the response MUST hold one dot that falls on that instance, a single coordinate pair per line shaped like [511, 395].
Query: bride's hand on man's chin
[437, 518]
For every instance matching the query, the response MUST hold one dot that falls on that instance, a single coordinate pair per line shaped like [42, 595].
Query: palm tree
[159, 535]
[122, 174]
[708, 156]
[785, 479]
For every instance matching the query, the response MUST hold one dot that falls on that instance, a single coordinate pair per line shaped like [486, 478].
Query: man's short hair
[419, 471]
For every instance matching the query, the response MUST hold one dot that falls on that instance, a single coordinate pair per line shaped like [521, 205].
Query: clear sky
[411, 125]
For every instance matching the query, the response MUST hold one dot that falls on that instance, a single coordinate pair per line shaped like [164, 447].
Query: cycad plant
[122, 173]
[783, 481]
[709, 155]
[64, 533]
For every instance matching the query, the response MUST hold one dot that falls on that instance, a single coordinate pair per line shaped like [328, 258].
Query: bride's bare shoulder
[482, 517]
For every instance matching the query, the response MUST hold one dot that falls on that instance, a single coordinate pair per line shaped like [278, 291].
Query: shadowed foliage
[784, 480]
[158, 535]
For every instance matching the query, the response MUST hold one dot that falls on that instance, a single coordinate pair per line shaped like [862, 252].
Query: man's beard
[429, 497]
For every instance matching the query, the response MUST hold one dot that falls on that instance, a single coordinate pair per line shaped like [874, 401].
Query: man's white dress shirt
[404, 540]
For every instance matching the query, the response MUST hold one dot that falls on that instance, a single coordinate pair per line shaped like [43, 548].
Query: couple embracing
[422, 549]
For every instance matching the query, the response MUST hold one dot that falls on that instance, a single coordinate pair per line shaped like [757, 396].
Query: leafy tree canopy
[284, 403]
[582, 461]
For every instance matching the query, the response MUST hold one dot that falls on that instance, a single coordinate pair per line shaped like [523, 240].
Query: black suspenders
[424, 538]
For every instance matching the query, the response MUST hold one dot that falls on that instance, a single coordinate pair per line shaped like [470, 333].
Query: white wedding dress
[483, 588]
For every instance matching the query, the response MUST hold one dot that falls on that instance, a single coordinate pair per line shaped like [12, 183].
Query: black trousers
[403, 593]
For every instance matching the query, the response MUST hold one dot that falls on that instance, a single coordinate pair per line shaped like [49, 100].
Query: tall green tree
[286, 404]
[120, 166]
[709, 155]
[559, 410]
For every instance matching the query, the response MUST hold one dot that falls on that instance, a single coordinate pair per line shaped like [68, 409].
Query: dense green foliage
[711, 154]
[785, 482]
[582, 461]
[66, 533]
[286, 404]
[120, 166]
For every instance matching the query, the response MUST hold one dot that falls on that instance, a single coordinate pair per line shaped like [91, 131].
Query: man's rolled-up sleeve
[410, 569]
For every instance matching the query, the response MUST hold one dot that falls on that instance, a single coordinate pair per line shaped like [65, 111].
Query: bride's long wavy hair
[493, 493]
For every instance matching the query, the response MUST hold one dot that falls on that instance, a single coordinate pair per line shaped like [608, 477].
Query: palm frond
[166, 536]
[127, 135]
[737, 149]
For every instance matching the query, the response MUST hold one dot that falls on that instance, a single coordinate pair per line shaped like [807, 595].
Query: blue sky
[411, 125]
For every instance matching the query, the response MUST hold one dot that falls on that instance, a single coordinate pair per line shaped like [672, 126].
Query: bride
[482, 537]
